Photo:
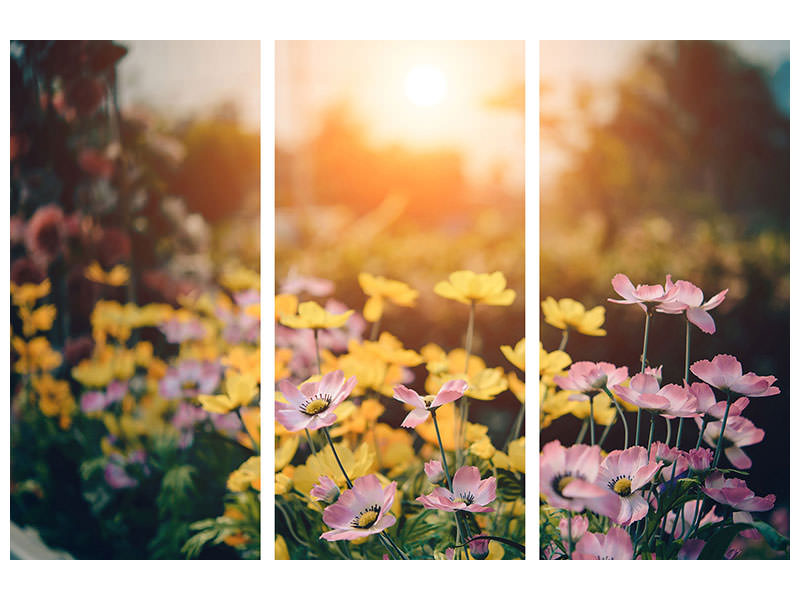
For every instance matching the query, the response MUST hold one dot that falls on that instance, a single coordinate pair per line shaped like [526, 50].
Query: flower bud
[434, 471]
[325, 490]
[700, 459]
[479, 549]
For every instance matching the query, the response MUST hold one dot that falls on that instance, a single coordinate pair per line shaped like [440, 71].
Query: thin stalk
[316, 348]
[376, 326]
[569, 534]
[621, 414]
[461, 423]
[644, 362]
[702, 432]
[459, 525]
[515, 429]
[652, 429]
[669, 430]
[720, 439]
[582, 432]
[564, 338]
[685, 380]
[606, 429]
[591, 418]
[310, 442]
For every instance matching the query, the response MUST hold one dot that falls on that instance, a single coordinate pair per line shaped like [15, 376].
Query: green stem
[336, 456]
[564, 338]
[644, 362]
[721, 439]
[310, 443]
[459, 525]
[373, 334]
[515, 429]
[591, 418]
[606, 429]
[582, 432]
[652, 429]
[461, 423]
[702, 432]
[621, 414]
[316, 348]
[669, 430]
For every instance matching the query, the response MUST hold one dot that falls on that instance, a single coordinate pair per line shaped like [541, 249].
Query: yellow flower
[483, 448]
[312, 315]
[28, 293]
[40, 319]
[281, 549]
[482, 288]
[93, 373]
[55, 398]
[247, 362]
[284, 453]
[251, 417]
[496, 551]
[283, 481]
[239, 391]
[117, 276]
[568, 313]
[356, 464]
[285, 305]
[389, 349]
[552, 363]
[516, 386]
[379, 288]
[486, 384]
[143, 353]
[515, 355]
[241, 279]
[516, 455]
[34, 355]
[248, 473]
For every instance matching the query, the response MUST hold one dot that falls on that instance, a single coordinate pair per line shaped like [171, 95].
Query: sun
[426, 85]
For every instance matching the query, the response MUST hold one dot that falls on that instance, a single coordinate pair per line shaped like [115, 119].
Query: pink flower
[116, 476]
[743, 517]
[686, 518]
[625, 472]
[312, 406]
[567, 479]
[734, 492]
[585, 376]
[707, 403]
[296, 284]
[672, 458]
[178, 331]
[360, 511]
[434, 471]
[724, 372]
[190, 378]
[689, 298]
[93, 401]
[580, 525]
[700, 459]
[325, 490]
[670, 401]
[614, 545]
[470, 493]
[691, 549]
[479, 549]
[449, 392]
[45, 234]
[641, 294]
[116, 391]
[738, 432]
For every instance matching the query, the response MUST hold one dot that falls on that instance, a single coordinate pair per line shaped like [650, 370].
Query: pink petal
[487, 491]
[291, 393]
[415, 417]
[466, 479]
[450, 392]
[408, 396]
[738, 458]
[291, 418]
[702, 319]
[623, 286]
[715, 301]
[344, 390]
[331, 382]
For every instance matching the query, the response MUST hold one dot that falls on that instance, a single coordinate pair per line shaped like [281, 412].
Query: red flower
[45, 234]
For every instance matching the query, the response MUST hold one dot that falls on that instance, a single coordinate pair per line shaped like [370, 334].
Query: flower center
[622, 486]
[465, 497]
[427, 400]
[367, 517]
[563, 482]
[316, 405]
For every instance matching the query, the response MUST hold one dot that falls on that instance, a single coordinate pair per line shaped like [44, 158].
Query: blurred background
[142, 156]
[406, 159]
[672, 157]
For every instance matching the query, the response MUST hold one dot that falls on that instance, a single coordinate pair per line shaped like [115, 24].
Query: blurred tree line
[688, 176]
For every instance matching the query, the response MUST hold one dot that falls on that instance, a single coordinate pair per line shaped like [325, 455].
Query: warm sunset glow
[426, 85]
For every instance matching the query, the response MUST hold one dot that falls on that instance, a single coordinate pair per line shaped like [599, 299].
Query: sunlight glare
[426, 85]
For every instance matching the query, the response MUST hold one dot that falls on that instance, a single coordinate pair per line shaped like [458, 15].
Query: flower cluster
[367, 455]
[650, 498]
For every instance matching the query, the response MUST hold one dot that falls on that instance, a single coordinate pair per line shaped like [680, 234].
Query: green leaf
[775, 539]
[509, 488]
[718, 543]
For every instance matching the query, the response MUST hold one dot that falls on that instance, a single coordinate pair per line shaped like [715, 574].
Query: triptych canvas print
[391, 269]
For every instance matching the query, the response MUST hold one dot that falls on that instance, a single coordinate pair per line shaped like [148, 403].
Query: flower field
[135, 316]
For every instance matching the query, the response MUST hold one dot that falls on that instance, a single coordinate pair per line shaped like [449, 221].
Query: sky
[192, 78]
[371, 77]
